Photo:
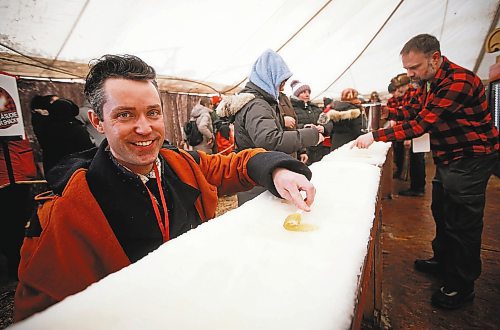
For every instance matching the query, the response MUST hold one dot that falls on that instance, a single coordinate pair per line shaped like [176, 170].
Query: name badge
[422, 143]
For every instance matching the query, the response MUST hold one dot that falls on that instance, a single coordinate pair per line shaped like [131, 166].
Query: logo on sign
[8, 111]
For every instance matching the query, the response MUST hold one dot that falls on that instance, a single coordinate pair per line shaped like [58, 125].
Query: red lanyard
[163, 225]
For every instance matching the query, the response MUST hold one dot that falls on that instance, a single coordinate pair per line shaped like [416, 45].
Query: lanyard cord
[164, 227]
[427, 89]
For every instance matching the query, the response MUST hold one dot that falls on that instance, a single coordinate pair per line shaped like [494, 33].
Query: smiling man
[113, 205]
[450, 105]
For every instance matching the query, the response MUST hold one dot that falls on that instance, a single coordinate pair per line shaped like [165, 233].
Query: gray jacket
[204, 122]
[258, 123]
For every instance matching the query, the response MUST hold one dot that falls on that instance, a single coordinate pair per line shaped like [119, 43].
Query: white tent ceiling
[330, 45]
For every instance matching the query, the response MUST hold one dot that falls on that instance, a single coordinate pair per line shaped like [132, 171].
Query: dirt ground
[7, 290]
[226, 203]
[408, 229]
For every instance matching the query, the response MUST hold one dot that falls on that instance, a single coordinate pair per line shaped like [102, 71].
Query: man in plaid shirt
[451, 106]
[407, 92]
[393, 106]
[416, 159]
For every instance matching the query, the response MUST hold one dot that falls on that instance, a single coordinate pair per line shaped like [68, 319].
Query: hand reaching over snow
[363, 141]
[289, 185]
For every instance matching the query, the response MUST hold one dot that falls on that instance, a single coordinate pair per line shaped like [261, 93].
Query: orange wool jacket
[77, 246]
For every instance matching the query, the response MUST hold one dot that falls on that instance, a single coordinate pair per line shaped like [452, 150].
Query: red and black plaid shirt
[394, 104]
[410, 93]
[454, 111]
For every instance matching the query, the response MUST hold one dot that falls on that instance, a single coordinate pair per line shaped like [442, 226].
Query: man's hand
[320, 128]
[407, 144]
[289, 122]
[320, 139]
[289, 185]
[303, 158]
[363, 141]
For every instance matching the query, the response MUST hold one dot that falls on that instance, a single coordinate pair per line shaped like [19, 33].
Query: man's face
[305, 95]
[132, 123]
[420, 66]
[402, 89]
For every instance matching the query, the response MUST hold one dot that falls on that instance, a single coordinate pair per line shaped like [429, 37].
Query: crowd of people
[120, 190]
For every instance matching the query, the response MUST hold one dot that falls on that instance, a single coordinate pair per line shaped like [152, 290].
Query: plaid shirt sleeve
[405, 107]
[456, 114]
[412, 104]
[393, 105]
[438, 106]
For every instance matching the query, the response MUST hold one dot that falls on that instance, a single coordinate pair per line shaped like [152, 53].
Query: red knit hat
[216, 99]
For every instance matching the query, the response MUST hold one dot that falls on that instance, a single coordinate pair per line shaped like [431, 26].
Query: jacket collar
[441, 74]
[299, 103]
[251, 88]
[105, 173]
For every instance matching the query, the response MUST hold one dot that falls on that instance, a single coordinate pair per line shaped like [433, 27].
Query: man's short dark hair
[114, 66]
[424, 43]
[391, 88]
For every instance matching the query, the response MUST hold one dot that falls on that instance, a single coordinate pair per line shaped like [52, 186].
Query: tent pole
[480, 57]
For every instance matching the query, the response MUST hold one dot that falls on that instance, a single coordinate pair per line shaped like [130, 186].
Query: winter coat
[64, 134]
[16, 161]
[203, 119]
[286, 109]
[308, 113]
[224, 139]
[77, 236]
[258, 123]
[347, 121]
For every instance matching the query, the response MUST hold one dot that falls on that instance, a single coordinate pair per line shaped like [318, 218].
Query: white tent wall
[330, 45]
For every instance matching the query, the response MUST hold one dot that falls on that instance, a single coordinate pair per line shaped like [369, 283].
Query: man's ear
[436, 56]
[95, 121]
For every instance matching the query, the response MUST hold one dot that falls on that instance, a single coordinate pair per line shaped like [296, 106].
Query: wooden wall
[29, 88]
[177, 107]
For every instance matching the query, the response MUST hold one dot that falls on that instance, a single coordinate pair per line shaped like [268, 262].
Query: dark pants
[399, 158]
[17, 206]
[417, 171]
[458, 198]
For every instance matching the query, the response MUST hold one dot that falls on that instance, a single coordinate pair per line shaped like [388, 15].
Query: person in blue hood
[257, 119]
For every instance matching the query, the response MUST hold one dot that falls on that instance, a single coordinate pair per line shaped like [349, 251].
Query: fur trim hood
[231, 104]
[336, 116]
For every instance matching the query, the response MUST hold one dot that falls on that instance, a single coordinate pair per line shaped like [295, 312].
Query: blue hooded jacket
[269, 71]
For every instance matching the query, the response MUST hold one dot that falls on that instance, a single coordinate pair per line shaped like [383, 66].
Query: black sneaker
[431, 266]
[411, 193]
[448, 298]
